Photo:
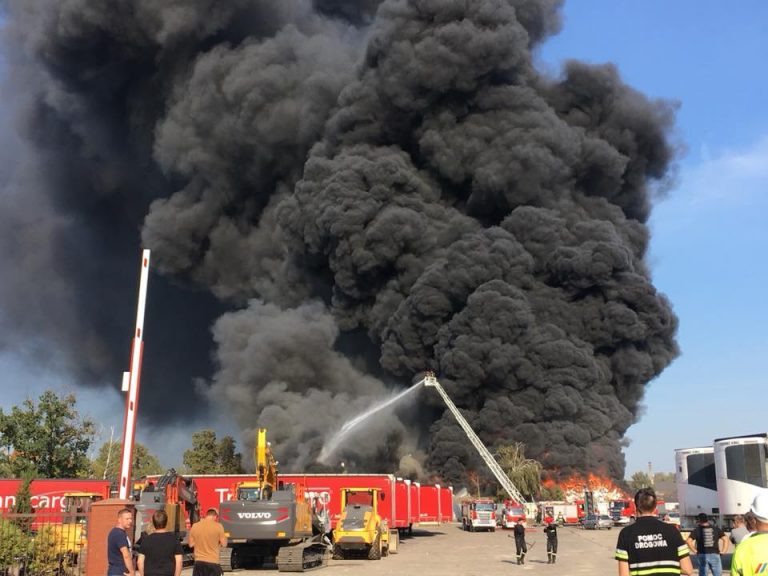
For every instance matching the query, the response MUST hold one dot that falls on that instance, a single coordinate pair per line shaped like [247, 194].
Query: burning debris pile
[603, 489]
[349, 193]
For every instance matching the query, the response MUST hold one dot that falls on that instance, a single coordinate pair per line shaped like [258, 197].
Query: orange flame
[574, 486]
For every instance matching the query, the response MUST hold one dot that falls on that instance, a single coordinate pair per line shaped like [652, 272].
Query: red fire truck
[623, 511]
[560, 512]
[509, 513]
[478, 514]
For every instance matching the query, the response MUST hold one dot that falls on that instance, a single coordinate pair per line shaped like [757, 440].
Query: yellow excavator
[265, 483]
[361, 530]
[267, 519]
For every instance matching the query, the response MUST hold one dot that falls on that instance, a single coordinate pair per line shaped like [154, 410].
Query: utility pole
[109, 452]
[131, 381]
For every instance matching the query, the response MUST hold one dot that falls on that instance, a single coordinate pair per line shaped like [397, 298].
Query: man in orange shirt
[207, 538]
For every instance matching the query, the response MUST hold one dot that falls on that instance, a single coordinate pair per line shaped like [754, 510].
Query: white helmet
[760, 506]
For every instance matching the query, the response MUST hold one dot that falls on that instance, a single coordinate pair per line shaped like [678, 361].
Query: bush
[14, 544]
[45, 557]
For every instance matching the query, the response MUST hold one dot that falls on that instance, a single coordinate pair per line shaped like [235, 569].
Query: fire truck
[478, 514]
[509, 513]
[622, 511]
[560, 512]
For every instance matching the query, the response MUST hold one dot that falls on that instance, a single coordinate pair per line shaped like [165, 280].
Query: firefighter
[520, 546]
[551, 532]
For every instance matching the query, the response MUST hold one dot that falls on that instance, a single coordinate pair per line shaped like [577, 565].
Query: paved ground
[447, 551]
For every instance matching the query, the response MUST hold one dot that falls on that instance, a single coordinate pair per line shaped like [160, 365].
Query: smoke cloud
[347, 192]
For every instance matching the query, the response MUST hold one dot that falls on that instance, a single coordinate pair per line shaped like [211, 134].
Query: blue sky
[709, 234]
[710, 238]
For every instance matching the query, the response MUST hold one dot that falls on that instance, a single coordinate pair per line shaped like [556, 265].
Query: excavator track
[304, 556]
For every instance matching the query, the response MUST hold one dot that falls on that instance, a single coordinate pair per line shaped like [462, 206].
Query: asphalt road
[447, 551]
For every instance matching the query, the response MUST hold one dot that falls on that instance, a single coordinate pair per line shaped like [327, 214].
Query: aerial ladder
[431, 381]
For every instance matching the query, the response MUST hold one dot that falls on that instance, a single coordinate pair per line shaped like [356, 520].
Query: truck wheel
[374, 552]
[338, 553]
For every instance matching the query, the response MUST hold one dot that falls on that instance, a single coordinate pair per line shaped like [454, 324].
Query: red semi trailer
[405, 503]
[429, 504]
[48, 495]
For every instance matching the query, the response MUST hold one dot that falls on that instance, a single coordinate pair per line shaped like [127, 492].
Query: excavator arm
[266, 465]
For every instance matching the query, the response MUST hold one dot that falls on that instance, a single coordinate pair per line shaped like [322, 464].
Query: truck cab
[478, 514]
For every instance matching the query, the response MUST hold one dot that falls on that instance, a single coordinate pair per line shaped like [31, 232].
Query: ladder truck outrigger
[431, 381]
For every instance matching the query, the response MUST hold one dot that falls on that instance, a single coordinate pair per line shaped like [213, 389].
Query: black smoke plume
[348, 192]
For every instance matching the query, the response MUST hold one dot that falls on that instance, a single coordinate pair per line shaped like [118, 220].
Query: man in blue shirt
[119, 545]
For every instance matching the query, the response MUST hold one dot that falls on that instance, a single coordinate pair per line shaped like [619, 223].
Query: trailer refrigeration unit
[696, 484]
[740, 471]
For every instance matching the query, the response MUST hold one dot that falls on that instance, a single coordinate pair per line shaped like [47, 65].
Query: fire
[573, 487]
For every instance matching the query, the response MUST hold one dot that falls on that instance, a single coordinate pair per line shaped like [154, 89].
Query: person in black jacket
[551, 532]
[522, 549]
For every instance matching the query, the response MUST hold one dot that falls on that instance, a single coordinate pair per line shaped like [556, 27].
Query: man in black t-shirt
[649, 546]
[708, 542]
[160, 553]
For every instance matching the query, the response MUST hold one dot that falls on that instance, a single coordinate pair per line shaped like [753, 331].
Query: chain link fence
[42, 545]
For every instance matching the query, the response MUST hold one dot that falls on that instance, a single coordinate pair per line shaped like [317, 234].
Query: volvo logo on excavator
[254, 515]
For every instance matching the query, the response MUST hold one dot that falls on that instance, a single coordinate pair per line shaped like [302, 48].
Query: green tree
[14, 544]
[553, 492]
[639, 480]
[203, 457]
[230, 462]
[524, 473]
[23, 503]
[209, 456]
[48, 437]
[107, 462]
